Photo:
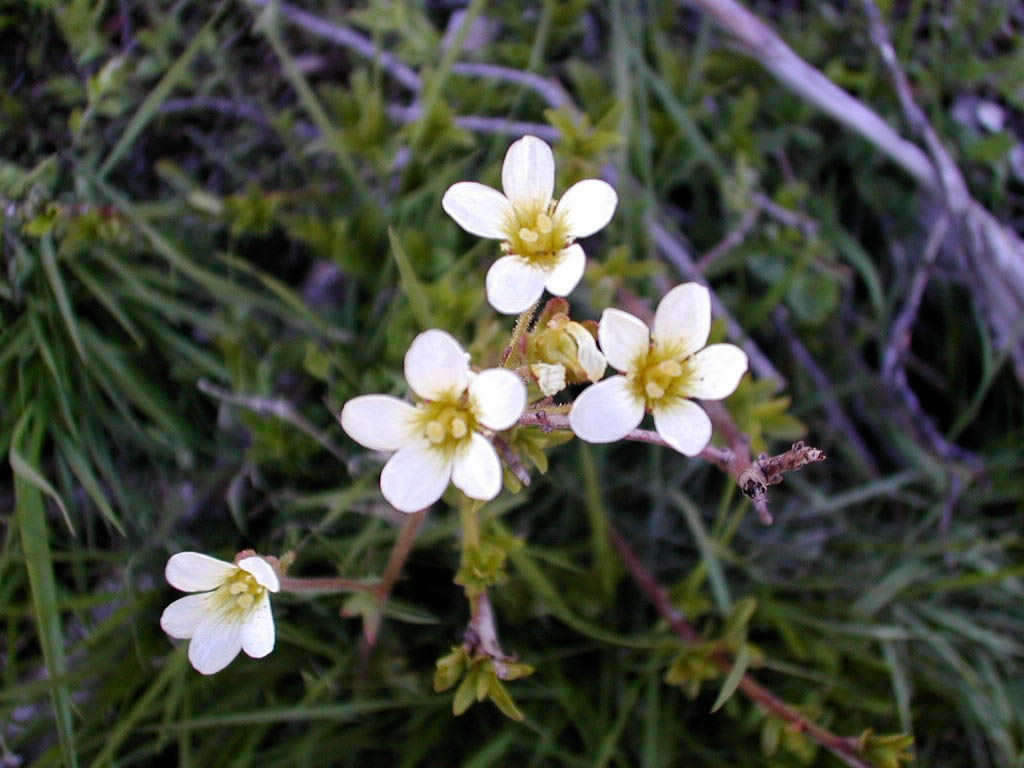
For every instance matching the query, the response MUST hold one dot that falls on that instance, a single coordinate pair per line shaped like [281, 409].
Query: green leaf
[733, 679]
[411, 284]
[30, 519]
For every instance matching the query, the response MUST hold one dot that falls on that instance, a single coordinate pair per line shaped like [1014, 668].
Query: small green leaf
[733, 679]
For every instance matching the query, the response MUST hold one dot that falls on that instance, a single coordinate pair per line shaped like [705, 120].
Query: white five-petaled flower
[661, 371]
[538, 233]
[440, 439]
[230, 613]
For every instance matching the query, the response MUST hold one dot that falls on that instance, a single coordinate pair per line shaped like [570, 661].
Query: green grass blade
[60, 294]
[30, 519]
[411, 284]
[148, 108]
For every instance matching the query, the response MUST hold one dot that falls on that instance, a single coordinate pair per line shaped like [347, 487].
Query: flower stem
[521, 327]
[324, 585]
[843, 747]
[399, 554]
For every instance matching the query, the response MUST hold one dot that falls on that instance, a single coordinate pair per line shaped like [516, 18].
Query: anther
[543, 223]
[458, 427]
[238, 588]
[653, 390]
[246, 600]
[435, 432]
[670, 368]
[528, 235]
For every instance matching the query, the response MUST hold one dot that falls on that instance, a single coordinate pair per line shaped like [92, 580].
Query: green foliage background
[204, 191]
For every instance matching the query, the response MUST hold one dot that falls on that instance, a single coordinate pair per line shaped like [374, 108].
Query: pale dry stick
[679, 256]
[994, 253]
[276, 407]
[844, 748]
[347, 38]
[478, 123]
[733, 239]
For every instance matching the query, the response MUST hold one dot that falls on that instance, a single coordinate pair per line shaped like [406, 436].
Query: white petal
[215, 643]
[436, 365]
[415, 477]
[477, 469]
[379, 422]
[528, 173]
[514, 285]
[567, 273]
[262, 571]
[590, 358]
[623, 338]
[717, 371]
[587, 206]
[181, 617]
[683, 319]
[258, 630]
[606, 411]
[196, 572]
[479, 209]
[684, 425]
[499, 397]
[550, 378]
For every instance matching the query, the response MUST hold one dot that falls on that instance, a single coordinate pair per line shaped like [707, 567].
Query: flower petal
[215, 643]
[196, 572]
[590, 358]
[567, 273]
[436, 365]
[716, 371]
[683, 319]
[514, 285]
[499, 397]
[262, 571]
[479, 209]
[684, 425]
[623, 338]
[606, 411]
[587, 206]
[550, 377]
[181, 617]
[528, 173]
[476, 470]
[415, 477]
[379, 422]
[257, 635]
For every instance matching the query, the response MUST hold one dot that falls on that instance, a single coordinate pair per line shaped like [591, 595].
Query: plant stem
[844, 748]
[521, 327]
[324, 585]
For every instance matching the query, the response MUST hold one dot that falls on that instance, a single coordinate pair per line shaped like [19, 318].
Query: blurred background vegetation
[203, 192]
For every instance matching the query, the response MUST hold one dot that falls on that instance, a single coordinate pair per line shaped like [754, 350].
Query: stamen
[246, 600]
[653, 390]
[458, 427]
[435, 432]
[238, 588]
[543, 223]
[670, 368]
[528, 235]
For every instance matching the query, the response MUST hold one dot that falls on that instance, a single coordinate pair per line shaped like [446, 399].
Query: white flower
[440, 439]
[537, 232]
[231, 613]
[660, 376]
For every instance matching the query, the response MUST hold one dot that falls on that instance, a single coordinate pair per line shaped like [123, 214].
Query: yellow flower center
[239, 592]
[447, 423]
[660, 376]
[537, 235]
